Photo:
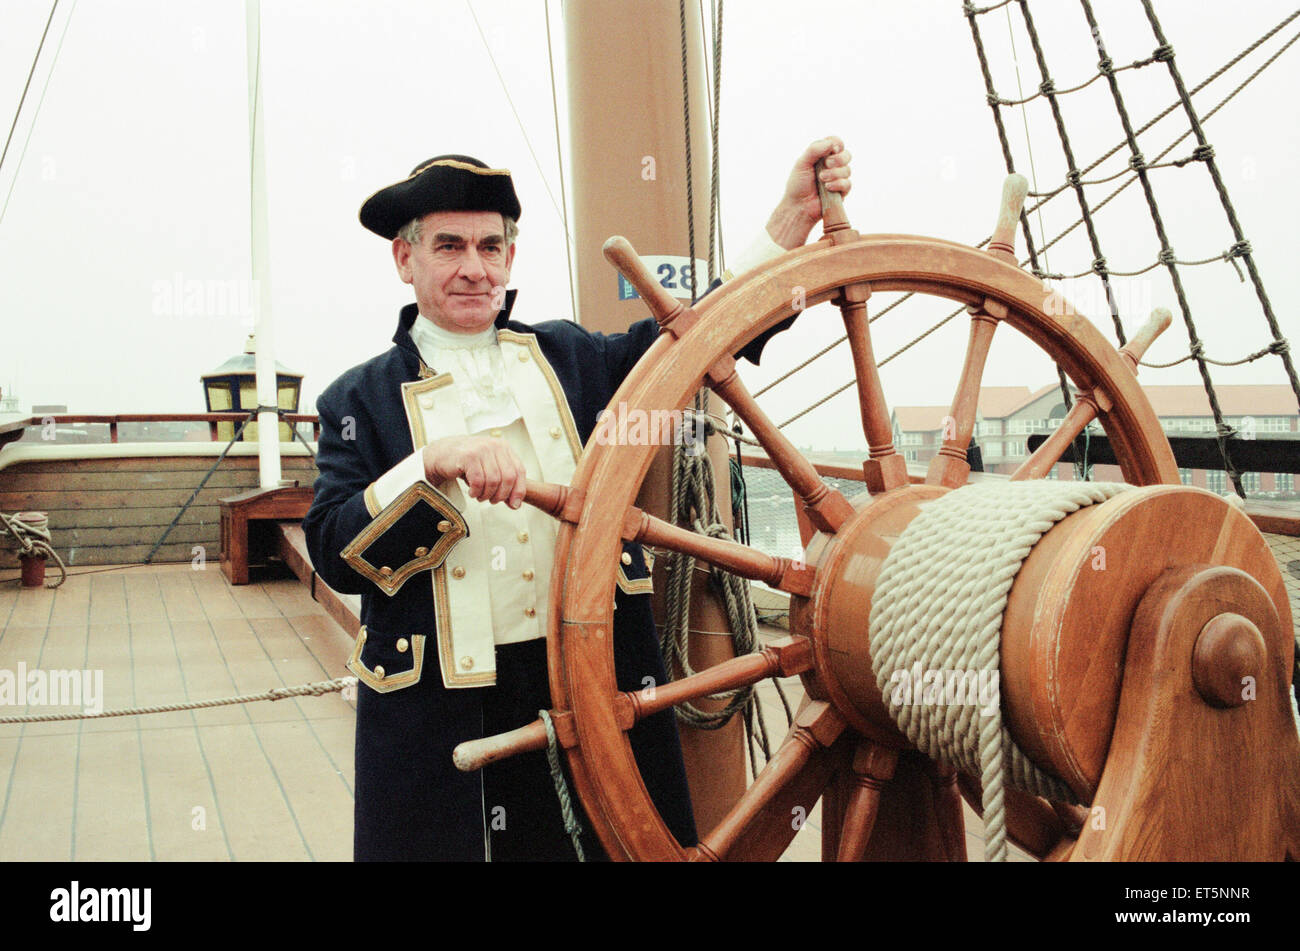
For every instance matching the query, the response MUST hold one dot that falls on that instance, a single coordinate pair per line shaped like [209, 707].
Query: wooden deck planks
[264, 781]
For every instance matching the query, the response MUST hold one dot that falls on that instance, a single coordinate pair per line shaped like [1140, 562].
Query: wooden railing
[13, 430]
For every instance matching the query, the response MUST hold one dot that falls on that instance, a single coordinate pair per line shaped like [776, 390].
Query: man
[418, 448]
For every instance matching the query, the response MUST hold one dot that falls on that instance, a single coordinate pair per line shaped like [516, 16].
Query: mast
[268, 421]
[628, 174]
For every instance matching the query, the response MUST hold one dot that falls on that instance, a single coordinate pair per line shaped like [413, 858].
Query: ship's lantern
[232, 388]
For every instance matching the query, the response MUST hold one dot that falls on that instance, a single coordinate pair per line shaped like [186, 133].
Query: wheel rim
[609, 476]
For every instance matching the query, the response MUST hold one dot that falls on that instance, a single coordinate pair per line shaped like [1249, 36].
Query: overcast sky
[132, 178]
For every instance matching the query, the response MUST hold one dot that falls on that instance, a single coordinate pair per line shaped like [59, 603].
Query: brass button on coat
[523, 537]
[528, 576]
[458, 572]
[496, 434]
[530, 612]
[523, 356]
[379, 671]
[421, 552]
[555, 432]
[626, 558]
[402, 645]
[444, 526]
[467, 663]
[386, 571]
[426, 402]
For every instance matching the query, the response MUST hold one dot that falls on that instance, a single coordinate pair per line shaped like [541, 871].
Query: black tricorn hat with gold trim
[443, 183]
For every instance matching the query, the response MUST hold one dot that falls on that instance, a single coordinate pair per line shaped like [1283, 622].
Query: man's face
[459, 270]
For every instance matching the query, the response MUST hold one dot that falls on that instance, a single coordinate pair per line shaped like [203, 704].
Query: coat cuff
[761, 250]
[413, 530]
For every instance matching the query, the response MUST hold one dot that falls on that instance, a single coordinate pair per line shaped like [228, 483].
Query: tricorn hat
[443, 183]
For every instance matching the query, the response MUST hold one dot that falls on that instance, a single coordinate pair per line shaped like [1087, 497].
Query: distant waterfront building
[1008, 415]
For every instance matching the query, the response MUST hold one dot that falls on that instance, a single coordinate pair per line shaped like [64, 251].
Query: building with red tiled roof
[1008, 415]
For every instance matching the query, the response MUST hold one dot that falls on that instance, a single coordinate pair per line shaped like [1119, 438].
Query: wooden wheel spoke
[1086, 406]
[475, 754]
[785, 574]
[948, 812]
[950, 466]
[793, 768]
[873, 766]
[1032, 823]
[1089, 404]
[794, 577]
[826, 507]
[786, 658]
[885, 469]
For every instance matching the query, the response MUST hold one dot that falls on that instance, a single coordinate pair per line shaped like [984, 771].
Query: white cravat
[474, 361]
[522, 543]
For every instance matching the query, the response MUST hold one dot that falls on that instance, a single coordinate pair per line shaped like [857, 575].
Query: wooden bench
[248, 525]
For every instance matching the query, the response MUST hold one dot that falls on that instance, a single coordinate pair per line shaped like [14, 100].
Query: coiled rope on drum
[938, 612]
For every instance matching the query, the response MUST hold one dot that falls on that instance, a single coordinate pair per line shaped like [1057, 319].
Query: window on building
[1272, 424]
[1250, 482]
[1285, 482]
[910, 455]
[1185, 476]
[1216, 480]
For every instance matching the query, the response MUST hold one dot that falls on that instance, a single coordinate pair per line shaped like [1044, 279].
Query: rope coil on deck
[938, 608]
[33, 541]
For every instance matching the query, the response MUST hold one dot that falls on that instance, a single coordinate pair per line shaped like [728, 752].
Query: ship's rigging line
[39, 102]
[564, 218]
[693, 501]
[1024, 117]
[28, 84]
[1199, 87]
[1081, 469]
[1052, 194]
[559, 163]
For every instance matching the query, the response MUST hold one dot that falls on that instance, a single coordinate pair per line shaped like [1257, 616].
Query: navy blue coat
[411, 801]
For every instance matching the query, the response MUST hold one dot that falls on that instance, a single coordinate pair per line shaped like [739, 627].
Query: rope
[971, 10]
[714, 189]
[1166, 251]
[1231, 213]
[938, 608]
[997, 118]
[1219, 105]
[559, 161]
[686, 124]
[905, 347]
[1237, 250]
[1073, 171]
[510, 101]
[317, 689]
[13, 126]
[561, 785]
[13, 182]
[1277, 346]
[1104, 68]
[204, 481]
[34, 542]
[694, 504]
